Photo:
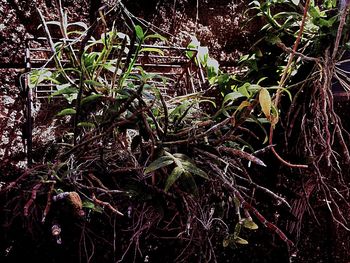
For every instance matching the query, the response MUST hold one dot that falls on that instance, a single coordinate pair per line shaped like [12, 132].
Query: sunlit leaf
[38, 76]
[68, 111]
[212, 68]
[91, 98]
[275, 116]
[233, 96]
[159, 163]
[241, 241]
[156, 36]
[265, 102]
[203, 55]
[244, 90]
[152, 49]
[139, 32]
[249, 224]
[64, 89]
[193, 169]
[243, 105]
[194, 44]
[180, 109]
[274, 39]
[182, 156]
[93, 83]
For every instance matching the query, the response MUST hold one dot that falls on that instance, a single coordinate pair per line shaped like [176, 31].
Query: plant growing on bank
[310, 65]
[184, 166]
[185, 151]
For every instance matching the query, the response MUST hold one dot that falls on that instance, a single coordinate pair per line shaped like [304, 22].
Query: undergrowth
[139, 165]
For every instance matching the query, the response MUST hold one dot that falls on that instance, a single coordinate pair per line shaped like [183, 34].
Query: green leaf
[64, 89]
[238, 227]
[152, 49]
[189, 183]
[203, 55]
[92, 206]
[233, 96]
[38, 76]
[212, 68]
[193, 169]
[88, 204]
[244, 90]
[249, 224]
[90, 98]
[175, 174]
[68, 111]
[159, 163]
[86, 124]
[139, 32]
[274, 39]
[194, 44]
[182, 157]
[180, 109]
[156, 36]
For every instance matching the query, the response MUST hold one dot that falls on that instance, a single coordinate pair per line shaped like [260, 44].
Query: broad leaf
[244, 90]
[65, 89]
[92, 206]
[90, 98]
[159, 163]
[233, 96]
[65, 112]
[175, 174]
[203, 55]
[249, 224]
[241, 241]
[189, 183]
[182, 157]
[38, 76]
[193, 169]
[265, 102]
[212, 68]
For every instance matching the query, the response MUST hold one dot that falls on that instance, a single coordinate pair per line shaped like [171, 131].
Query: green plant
[166, 157]
[302, 44]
